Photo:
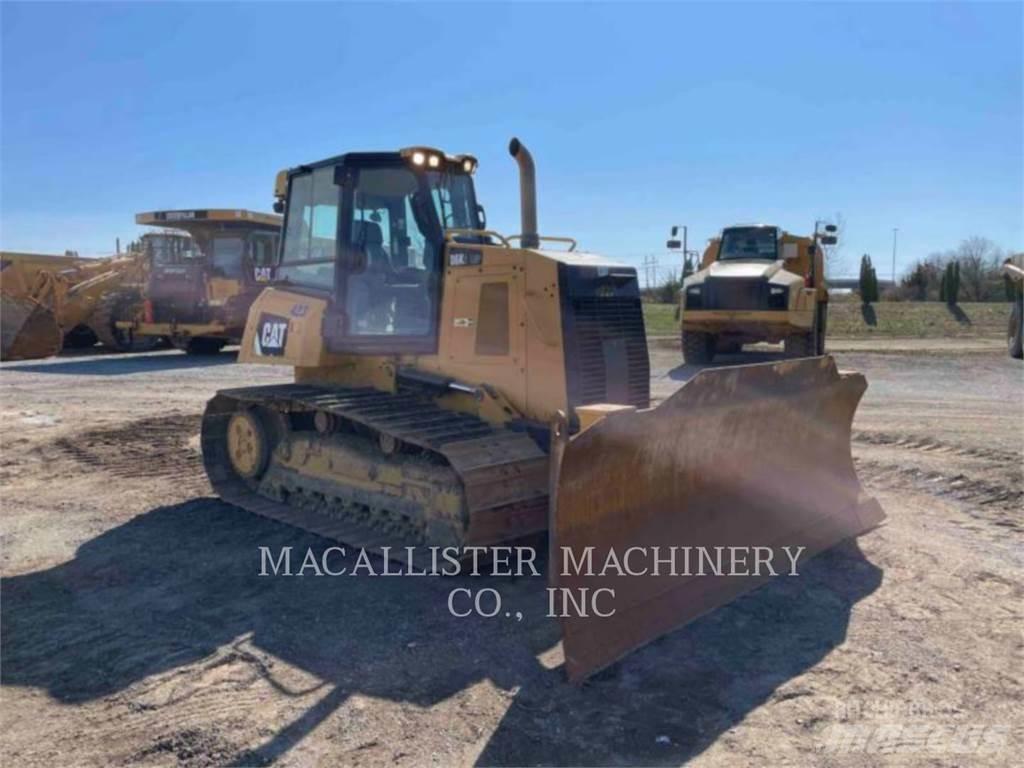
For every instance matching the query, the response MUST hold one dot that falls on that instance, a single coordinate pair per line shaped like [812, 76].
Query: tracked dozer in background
[456, 387]
[203, 271]
[49, 301]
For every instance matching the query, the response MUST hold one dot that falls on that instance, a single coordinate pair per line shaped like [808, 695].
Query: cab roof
[184, 217]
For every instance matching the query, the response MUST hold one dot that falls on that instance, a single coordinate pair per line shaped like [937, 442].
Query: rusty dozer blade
[28, 330]
[749, 457]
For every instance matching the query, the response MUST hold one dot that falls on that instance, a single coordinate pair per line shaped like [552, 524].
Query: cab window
[227, 256]
[392, 261]
[310, 230]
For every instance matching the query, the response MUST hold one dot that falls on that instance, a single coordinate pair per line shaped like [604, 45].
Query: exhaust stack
[527, 193]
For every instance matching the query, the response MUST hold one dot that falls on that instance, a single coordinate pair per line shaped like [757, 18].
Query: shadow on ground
[176, 584]
[121, 364]
[958, 314]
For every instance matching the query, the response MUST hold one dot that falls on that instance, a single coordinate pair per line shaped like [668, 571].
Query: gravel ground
[136, 629]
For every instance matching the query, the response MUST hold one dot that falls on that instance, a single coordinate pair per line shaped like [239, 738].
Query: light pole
[894, 231]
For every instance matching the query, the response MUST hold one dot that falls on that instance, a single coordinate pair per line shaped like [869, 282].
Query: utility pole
[894, 231]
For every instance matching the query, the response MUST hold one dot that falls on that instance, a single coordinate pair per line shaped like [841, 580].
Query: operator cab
[367, 230]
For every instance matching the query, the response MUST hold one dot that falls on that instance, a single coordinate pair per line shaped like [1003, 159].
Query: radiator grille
[610, 347]
[735, 294]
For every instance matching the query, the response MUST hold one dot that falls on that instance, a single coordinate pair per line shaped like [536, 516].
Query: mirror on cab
[481, 217]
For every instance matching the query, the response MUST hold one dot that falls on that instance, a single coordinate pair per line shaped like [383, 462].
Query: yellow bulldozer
[203, 269]
[756, 283]
[50, 301]
[457, 388]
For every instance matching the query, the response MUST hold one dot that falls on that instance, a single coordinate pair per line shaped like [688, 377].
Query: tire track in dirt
[159, 448]
[989, 485]
[931, 444]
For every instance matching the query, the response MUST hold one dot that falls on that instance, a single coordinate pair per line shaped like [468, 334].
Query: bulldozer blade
[730, 476]
[28, 330]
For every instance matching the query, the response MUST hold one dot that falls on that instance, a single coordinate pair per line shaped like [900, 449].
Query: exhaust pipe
[527, 193]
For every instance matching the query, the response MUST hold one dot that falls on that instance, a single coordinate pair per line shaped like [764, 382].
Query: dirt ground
[136, 629]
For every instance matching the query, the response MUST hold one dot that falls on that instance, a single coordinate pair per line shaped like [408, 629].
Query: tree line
[970, 272]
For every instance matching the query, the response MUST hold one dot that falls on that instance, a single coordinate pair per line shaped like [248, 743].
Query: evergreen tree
[867, 290]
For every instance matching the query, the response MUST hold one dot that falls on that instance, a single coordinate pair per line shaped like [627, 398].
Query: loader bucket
[28, 330]
[739, 463]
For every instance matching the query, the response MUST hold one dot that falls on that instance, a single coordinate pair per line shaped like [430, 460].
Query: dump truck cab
[756, 283]
[204, 268]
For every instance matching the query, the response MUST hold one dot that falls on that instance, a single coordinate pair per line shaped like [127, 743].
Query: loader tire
[1015, 331]
[203, 345]
[698, 347]
[103, 324]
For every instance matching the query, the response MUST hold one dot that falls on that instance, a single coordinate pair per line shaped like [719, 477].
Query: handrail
[571, 241]
[451, 234]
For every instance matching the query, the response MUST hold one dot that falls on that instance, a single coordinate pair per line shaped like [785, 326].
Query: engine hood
[744, 269]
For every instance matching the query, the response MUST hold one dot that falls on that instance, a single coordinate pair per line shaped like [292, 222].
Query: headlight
[418, 158]
[434, 161]
[693, 290]
[778, 297]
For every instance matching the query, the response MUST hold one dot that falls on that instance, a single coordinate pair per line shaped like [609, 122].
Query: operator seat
[368, 236]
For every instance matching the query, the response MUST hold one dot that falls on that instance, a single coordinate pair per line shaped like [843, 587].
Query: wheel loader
[455, 387]
[757, 283]
[50, 301]
[203, 271]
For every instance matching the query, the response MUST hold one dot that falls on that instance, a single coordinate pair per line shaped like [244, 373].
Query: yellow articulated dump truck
[50, 301]
[457, 388]
[1013, 270]
[203, 270]
[756, 283]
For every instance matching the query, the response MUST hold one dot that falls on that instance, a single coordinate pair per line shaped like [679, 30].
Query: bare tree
[978, 256]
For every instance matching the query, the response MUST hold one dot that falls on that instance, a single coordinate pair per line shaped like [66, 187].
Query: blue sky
[639, 116]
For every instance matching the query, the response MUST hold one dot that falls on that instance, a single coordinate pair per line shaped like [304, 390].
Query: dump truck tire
[804, 344]
[1015, 331]
[698, 347]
